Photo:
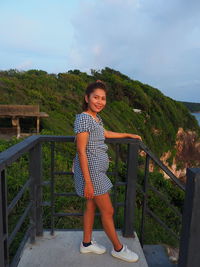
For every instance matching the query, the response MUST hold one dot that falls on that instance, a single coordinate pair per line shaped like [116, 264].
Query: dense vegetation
[193, 107]
[61, 97]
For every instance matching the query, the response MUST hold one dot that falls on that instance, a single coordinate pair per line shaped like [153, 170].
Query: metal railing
[146, 186]
[33, 146]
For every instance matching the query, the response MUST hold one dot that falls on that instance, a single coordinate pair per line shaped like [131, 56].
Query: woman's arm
[109, 134]
[81, 143]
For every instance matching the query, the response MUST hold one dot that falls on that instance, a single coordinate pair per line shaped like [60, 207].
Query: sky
[154, 41]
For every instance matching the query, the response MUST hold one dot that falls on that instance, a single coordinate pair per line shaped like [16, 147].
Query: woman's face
[97, 100]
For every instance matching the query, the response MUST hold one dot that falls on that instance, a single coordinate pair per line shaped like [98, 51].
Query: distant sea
[197, 115]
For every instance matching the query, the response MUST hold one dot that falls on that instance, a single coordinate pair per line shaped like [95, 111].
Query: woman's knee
[90, 206]
[104, 204]
[108, 211]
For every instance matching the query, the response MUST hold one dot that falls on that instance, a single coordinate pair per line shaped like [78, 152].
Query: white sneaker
[125, 254]
[94, 247]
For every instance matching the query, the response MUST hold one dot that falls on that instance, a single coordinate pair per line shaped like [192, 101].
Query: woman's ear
[86, 98]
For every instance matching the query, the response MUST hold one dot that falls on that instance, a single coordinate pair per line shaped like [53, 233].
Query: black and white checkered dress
[96, 151]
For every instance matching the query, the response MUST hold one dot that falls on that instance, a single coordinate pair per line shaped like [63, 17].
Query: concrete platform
[62, 249]
[156, 256]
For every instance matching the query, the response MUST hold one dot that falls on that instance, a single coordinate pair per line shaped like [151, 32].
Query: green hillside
[61, 97]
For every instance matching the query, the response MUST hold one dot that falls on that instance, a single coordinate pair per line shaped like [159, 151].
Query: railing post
[129, 209]
[4, 254]
[52, 186]
[190, 235]
[145, 197]
[35, 171]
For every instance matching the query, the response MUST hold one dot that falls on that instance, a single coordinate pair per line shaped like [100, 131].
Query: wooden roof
[21, 111]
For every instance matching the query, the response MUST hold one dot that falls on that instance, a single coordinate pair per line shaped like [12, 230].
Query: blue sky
[154, 41]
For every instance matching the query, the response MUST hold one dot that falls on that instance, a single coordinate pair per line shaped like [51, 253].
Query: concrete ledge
[156, 256]
[62, 249]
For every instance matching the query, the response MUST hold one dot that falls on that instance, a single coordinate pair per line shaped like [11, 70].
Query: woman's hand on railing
[135, 136]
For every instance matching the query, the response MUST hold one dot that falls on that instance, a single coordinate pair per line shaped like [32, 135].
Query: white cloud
[154, 41]
[25, 65]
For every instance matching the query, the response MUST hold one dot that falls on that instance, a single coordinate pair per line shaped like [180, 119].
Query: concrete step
[156, 256]
[62, 249]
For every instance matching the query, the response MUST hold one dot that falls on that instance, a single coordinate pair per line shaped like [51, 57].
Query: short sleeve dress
[96, 150]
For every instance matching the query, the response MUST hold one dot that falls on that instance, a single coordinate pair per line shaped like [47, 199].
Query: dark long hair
[90, 89]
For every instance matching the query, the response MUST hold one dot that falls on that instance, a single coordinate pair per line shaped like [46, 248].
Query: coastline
[197, 116]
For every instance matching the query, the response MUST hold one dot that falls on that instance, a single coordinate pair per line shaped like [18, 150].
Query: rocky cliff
[187, 153]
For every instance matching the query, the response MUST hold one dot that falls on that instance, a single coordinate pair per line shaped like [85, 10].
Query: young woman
[90, 166]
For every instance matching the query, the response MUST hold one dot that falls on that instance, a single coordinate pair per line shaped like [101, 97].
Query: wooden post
[38, 125]
[15, 124]
[18, 128]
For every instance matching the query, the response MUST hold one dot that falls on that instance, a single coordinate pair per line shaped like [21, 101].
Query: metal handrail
[32, 145]
[162, 166]
[8, 157]
[145, 209]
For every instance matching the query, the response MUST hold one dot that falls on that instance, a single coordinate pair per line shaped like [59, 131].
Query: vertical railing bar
[17, 255]
[116, 180]
[39, 197]
[189, 255]
[5, 206]
[145, 197]
[32, 190]
[35, 172]
[52, 187]
[129, 208]
[2, 260]
[4, 253]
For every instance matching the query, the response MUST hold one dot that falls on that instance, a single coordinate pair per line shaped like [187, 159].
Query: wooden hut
[17, 112]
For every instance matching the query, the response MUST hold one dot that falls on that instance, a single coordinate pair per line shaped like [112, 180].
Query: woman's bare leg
[88, 220]
[104, 204]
